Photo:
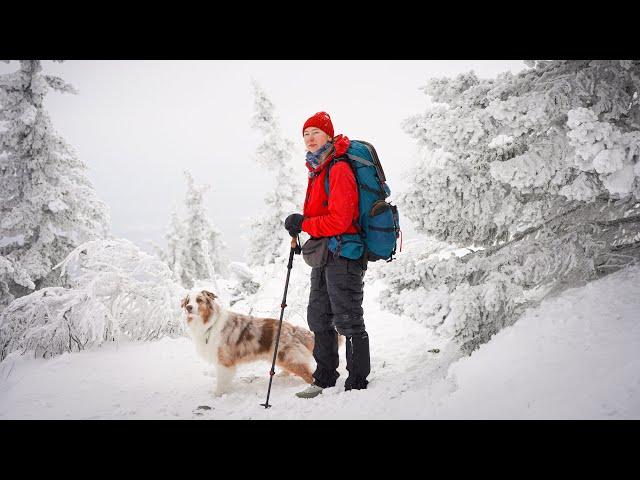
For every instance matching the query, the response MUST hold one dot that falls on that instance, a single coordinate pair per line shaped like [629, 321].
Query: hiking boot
[311, 391]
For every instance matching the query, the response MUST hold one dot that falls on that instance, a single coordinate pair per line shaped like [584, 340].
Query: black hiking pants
[335, 307]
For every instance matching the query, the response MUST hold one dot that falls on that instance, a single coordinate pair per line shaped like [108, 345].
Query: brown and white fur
[226, 339]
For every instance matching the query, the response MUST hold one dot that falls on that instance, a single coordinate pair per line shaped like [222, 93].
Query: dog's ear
[210, 296]
[185, 300]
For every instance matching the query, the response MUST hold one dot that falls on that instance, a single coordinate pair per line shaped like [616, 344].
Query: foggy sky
[138, 125]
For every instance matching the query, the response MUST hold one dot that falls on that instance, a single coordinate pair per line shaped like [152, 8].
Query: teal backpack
[378, 221]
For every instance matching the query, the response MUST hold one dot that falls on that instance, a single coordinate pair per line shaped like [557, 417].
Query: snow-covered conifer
[200, 250]
[245, 284]
[174, 237]
[47, 204]
[541, 170]
[116, 291]
[268, 239]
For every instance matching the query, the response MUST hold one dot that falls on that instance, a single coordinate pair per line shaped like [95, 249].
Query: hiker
[335, 300]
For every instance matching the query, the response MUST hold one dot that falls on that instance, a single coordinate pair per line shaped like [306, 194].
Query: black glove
[293, 224]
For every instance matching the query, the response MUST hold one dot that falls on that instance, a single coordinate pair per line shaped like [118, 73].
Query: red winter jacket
[338, 214]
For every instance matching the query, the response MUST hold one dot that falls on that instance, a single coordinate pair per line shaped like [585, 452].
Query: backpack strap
[356, 222]
[346, 158]
[360, 160]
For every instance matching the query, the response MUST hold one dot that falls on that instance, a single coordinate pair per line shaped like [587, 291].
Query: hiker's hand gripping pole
[295, 249]
[295, 245]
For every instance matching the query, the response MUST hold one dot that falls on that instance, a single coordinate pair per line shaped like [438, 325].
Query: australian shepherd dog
[226, 339]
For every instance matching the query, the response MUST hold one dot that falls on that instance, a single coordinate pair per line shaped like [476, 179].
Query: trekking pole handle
[294, 242]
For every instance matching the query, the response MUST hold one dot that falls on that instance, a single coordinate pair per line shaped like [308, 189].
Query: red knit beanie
[320, 120]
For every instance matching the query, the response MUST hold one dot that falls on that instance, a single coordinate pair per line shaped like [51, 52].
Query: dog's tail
[308, 340]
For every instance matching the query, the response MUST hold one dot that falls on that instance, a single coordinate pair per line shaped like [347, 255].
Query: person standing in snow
[335, 300]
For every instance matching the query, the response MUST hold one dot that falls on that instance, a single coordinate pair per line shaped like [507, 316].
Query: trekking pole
[295, 248]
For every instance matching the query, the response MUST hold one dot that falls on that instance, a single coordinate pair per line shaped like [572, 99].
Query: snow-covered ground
[574, 357]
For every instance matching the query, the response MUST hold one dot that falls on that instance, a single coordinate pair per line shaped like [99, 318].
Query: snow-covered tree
[47, 205]
[6, 272]
[174, 241]
[539, 169]
[245, 284]
[174, 238]
[269, 241]
[116, 291]
[199, 251]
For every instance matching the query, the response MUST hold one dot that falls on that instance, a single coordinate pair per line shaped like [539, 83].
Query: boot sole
[308, 396]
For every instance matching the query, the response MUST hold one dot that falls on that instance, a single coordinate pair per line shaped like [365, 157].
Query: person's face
[314, 139]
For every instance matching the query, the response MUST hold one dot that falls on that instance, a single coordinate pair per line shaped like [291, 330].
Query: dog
[226, 339]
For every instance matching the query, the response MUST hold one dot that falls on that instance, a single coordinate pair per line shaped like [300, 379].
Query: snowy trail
[574, 356]
[165, 379]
